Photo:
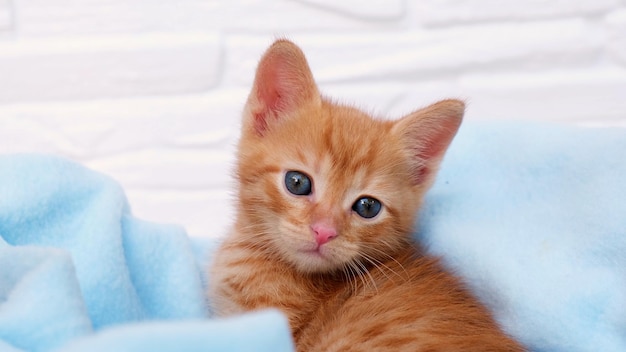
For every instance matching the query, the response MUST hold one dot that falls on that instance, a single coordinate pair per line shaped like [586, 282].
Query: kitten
[327, 199]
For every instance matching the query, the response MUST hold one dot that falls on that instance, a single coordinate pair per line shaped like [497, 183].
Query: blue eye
[367, 207]
[298, 183]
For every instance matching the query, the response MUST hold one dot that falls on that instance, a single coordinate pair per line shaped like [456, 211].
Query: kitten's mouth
[315, 260]
[315, 252]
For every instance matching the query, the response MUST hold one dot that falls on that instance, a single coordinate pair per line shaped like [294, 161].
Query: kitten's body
[346, 281]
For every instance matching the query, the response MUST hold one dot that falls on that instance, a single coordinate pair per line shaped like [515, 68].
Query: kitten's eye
[367, 207]
[298, 183]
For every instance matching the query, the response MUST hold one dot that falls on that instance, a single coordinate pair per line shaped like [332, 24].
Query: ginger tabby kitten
[327, 201]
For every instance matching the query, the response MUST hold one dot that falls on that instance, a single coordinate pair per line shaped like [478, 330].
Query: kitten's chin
[314, 260]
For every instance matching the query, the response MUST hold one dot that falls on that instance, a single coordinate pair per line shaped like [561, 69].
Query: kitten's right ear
[283, 82]
[426, 135]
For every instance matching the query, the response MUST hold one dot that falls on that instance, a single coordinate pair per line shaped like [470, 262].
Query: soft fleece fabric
[533, 216]
[74, 261]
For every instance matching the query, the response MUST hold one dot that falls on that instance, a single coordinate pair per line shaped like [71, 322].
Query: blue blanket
[533, 216]
[74, 261]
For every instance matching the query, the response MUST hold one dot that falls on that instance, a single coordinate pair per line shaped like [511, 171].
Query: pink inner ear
[430, 141]
[270, 83]
[269, 97]
[267, 91]
[436, 144]
[283, 82]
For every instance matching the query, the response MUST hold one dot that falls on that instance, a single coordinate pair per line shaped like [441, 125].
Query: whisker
[358, 272]
[368, 274]
[349, 277]
[377, 264]
[386, 255]
[380, 265]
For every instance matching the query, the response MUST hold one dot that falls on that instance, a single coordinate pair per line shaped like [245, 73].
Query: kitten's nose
[323, 233]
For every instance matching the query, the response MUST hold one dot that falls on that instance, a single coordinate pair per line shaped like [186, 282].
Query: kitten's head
[321, 184]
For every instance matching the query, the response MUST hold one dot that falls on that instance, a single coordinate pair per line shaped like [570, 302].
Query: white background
[150, 91]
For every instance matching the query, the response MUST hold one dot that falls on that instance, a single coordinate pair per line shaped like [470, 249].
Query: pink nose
[323, 233]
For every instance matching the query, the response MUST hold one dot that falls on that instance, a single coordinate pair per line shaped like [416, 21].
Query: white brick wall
[150, 91]
[5, 16]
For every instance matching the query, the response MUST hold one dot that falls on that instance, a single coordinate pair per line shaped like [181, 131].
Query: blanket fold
[73, 260]
[260, 331]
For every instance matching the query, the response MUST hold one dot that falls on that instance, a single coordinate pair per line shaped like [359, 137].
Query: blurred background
[150, 91]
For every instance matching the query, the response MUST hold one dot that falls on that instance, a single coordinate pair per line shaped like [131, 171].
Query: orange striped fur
[368, 287]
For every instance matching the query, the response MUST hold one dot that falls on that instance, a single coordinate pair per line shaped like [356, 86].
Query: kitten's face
[330, 186]
[325, 186]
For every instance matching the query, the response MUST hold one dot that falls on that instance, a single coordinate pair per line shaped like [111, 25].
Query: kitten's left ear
[426, 135]
[283, 83]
